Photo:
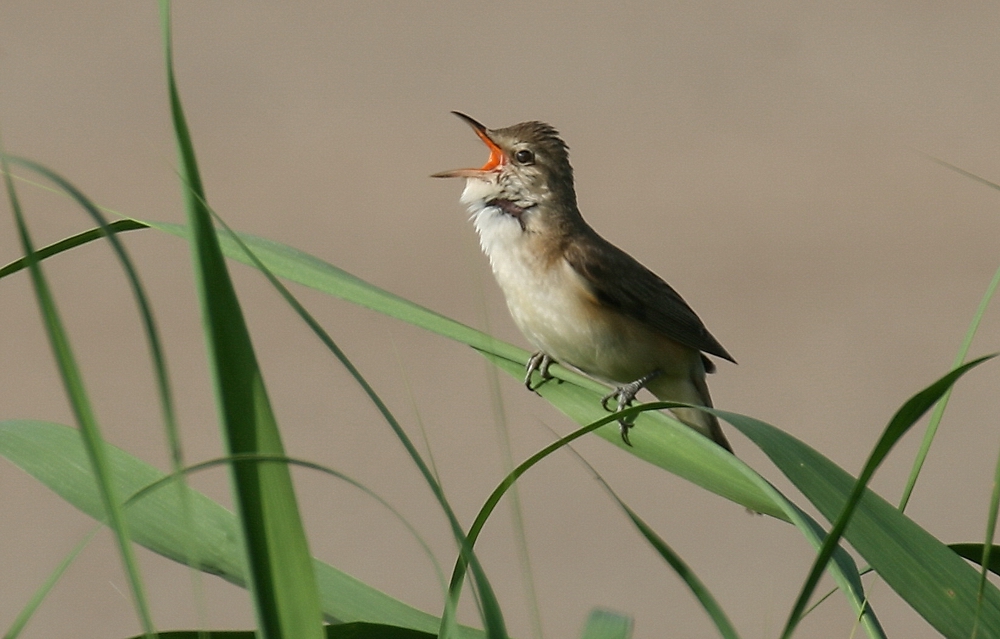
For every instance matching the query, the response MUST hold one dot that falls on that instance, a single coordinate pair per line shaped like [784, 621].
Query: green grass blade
[928, 575]
[118, 226]
[501, 426]
[697, 587]
[55, 456]
[36, 600]
[490, 607]
[976, 553]
[844, 571]
[991, 527]
[281, 571]
[940, 408]
[156, 352]
[129, 224]
[359, 630]
[604, 624]
[211, 463]
[296, 266]
[900, 423]
[235, 246]
[963, 352]
[205, 634]
[961, 171]
[938, 414]
[458, 574]
[80, 404]
[373, 631]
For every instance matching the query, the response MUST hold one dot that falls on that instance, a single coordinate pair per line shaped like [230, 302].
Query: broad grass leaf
[54, 455]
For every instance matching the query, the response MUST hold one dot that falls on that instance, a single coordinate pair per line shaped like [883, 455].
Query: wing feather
[616, 279]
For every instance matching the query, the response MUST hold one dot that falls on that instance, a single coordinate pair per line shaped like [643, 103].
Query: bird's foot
[538, 362]
[625, 395]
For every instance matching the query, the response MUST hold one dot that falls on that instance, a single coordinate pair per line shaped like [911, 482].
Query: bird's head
[528, 167]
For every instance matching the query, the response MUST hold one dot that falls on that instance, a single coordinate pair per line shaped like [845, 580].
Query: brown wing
[619, 281]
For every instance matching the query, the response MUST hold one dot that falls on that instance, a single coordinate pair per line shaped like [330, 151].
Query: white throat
[499, 233]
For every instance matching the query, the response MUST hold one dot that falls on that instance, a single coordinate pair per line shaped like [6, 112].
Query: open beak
[496, 155]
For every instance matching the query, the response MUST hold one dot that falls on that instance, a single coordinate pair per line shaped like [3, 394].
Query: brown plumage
[580, 300]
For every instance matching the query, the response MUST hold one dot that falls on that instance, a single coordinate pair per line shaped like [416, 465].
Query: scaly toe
[609, 397]
[625, 426]
[537, 362]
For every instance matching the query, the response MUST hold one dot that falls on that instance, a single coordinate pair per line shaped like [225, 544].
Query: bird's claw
[538, 362]
[625, 395]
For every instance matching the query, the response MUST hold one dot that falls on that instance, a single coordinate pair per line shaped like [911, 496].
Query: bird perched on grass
[580, 300]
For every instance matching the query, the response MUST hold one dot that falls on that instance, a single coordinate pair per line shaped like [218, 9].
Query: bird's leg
[538, 362]
[626, 395]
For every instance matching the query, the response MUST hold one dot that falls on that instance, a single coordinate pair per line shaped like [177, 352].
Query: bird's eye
[524, 156]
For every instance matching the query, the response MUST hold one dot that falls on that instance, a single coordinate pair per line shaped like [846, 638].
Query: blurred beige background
[759, 157]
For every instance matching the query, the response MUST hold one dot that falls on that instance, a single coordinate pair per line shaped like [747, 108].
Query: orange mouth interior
[496, 155]
[496, 159]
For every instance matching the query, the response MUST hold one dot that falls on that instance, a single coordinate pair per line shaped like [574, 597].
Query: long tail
[691, 390]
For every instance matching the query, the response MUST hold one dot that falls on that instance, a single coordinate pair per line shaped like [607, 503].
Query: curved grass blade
[54, 455]
[939, 409]
[282, 579]
[976, 552]
[224, 461]
[373, 631]
[697, 587]
[80, 405]
[938, 414]
[458, 574]
[490, 607]
[357, 630]
[605, 621]
[991, 527]
[501, 426]
[235, 244]
[963, 352]
[843, 570]
[931, 578]
[43, 591]
[118, 226]
[900, 423]
[156, 353]
[127, 224]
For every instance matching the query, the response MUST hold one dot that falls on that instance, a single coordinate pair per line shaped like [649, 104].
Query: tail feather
[691, 390]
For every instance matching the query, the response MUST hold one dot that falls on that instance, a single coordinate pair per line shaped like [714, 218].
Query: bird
[578, 299]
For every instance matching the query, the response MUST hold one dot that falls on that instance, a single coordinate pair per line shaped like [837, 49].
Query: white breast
[555, 308]
[545, 298]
